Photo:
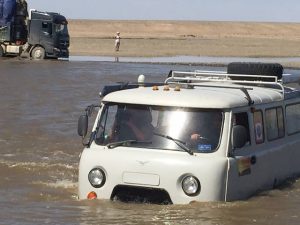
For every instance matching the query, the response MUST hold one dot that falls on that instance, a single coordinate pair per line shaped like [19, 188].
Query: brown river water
[40, 103]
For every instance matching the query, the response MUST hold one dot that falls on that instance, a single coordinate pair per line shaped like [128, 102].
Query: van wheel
[38, 53]
[268, 69]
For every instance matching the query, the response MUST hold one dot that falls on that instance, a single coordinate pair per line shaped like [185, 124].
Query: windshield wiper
[180, 143]
[125, 143]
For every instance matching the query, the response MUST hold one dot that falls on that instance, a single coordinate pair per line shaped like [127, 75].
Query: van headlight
[97, 177]
[191, 185]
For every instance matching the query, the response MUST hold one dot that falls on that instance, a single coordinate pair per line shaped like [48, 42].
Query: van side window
[274, 123]
[242, 119]
[258, 127]
[293, 118]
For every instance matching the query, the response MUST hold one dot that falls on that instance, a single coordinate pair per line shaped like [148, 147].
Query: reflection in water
[40, 103]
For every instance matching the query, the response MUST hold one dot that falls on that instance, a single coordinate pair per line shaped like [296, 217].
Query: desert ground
[192, 38]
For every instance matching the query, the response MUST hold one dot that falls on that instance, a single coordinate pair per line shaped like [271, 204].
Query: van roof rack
[202, 75]
[197, 77]
[220, 76]
[200, 78]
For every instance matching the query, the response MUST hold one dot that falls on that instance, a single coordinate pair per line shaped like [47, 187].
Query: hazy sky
[212, 10]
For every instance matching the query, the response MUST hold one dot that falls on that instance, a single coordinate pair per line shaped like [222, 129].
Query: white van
[199, 136]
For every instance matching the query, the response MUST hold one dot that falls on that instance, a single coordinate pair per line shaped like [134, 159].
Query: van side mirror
[82, 125]
[239, 136]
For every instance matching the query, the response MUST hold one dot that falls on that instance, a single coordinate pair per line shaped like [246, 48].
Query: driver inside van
[136, 124]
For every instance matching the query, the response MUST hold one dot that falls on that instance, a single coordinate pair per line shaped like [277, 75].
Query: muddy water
[40, 103]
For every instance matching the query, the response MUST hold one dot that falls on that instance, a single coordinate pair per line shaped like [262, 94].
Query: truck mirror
[82, 125]
[239, 136]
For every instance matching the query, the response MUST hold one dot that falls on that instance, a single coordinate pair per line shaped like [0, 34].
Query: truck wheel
[38, 53]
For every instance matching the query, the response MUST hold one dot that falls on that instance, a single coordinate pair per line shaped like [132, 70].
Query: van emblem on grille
[142, 162]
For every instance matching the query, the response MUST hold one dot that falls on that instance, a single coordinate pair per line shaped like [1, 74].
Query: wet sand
[174, 38]
[40, 103]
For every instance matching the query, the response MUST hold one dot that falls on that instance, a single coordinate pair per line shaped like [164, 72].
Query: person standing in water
[117, 42]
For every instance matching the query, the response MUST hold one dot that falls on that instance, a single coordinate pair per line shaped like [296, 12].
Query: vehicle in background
[38, 35]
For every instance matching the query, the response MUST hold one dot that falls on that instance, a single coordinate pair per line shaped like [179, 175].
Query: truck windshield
[61, 28]
[157, 127]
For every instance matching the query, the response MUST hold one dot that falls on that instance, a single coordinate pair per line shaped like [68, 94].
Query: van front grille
[140, 195]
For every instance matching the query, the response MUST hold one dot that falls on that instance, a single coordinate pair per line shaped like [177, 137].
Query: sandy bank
[171, 38]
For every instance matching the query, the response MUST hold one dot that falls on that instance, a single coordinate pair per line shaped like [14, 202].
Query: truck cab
[48, 35]
[42, 35]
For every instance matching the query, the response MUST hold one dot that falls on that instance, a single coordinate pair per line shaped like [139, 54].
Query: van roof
[209, 96]
[206, 89]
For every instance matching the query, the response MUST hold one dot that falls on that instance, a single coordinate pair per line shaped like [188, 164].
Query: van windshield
[158, 127]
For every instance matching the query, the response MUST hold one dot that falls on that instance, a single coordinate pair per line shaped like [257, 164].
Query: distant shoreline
[189, 38]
